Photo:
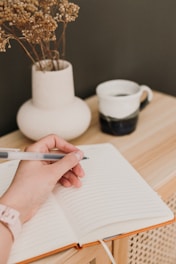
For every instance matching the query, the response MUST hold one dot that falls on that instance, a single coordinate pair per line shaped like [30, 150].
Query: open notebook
[114, 199]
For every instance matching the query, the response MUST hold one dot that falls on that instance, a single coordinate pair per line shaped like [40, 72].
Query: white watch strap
[10, 217]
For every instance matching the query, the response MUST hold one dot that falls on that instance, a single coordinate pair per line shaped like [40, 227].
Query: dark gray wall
[129, 39]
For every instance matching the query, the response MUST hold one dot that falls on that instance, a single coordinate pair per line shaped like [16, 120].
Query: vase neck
[52, 89]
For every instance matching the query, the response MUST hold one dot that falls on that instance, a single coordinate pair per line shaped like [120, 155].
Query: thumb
[67, 163]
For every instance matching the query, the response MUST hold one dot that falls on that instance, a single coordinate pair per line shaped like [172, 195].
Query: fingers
[49, 142]
[70, 179]
[77, 170]
[68, 168]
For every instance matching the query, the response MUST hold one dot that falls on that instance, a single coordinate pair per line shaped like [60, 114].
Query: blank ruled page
[46, 231]
[112, 193]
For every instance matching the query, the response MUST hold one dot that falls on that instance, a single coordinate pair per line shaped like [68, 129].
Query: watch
[10, 218]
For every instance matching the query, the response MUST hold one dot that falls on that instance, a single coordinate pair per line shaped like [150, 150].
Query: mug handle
[149, 97]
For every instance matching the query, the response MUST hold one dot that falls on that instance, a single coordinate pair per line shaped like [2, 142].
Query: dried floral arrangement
[39, 26]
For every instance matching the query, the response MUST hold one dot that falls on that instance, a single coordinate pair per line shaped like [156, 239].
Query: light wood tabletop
[151, 149]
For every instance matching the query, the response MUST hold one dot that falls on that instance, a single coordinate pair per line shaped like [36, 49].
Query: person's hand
[34, 180]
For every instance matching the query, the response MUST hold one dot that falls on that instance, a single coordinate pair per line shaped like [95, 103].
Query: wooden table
[151, 149]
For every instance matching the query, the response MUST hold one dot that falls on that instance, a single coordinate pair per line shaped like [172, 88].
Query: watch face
[10, 217]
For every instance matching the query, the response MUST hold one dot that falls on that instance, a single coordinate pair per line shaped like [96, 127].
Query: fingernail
[79, 154]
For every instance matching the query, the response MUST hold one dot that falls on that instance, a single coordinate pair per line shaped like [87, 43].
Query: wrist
[10, 199]
[5, 232]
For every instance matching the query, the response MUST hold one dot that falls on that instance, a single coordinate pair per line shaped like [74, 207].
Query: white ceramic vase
[53, 108]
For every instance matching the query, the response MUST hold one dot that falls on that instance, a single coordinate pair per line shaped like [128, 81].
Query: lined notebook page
[46, 231]
[112, 193]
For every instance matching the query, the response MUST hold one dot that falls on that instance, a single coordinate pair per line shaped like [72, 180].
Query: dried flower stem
[25, 49]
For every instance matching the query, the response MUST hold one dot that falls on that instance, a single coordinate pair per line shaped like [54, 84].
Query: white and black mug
[120, 104]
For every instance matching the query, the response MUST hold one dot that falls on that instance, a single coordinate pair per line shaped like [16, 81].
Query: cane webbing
[156, 246]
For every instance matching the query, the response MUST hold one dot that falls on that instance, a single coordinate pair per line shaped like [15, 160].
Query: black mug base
[118, 127]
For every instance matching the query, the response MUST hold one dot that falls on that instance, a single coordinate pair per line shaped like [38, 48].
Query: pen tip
[84, 158]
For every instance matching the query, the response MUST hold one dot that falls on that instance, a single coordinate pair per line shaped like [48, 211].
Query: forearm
[6, 242]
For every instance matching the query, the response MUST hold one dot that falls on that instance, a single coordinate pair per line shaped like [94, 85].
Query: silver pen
[15, 154]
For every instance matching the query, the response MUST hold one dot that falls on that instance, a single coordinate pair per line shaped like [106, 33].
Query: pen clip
[9, 149]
